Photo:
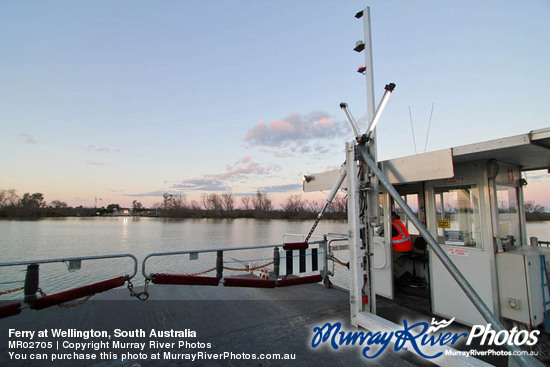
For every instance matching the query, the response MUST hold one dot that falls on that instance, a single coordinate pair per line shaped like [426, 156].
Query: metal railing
[31, 287]
[219, 264]
[535, 242]
[73, 263]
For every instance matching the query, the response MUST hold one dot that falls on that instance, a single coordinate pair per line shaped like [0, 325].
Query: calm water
[71, 237]
[62, 238]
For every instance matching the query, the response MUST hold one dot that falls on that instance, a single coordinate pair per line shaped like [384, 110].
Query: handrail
[172, 253]
[303, 236]
[534, 241]
[80, 258]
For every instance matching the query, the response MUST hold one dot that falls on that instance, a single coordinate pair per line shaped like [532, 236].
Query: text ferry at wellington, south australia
[476, 293]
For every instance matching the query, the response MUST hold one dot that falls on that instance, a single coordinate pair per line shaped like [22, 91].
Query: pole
[351, 121]
[369, 70]
[370, 219]
[372, 126]
[330, 197]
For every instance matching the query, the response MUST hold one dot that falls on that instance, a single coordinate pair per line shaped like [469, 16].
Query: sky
[129, 100]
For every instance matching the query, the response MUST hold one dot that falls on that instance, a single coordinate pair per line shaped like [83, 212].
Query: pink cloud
[295, 129]
[219, 181]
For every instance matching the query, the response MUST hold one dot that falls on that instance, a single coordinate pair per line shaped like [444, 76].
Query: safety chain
[226, 268]
[201, 272]
[248, 269]
[12, 291]
[43, 294]
[78, 303]
[142, 296]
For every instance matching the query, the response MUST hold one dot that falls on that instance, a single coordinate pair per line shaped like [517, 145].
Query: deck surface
[244, 320]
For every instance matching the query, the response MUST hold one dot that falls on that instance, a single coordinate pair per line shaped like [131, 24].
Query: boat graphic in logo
[439, 325]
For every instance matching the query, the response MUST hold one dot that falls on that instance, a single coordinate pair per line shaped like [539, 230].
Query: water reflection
[124, 235]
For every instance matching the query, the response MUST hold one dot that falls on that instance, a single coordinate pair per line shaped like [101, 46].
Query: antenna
[429, 124]
[412, 128]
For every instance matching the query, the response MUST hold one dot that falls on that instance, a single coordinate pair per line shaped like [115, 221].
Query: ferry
[472, 265]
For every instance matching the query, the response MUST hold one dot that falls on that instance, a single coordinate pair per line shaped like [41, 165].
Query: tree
[178, 203]
[213, 204]
[136, 206]
[315, 206]
[261, 203]
[532, 207]
[58, 204]
[8, 198]
[195, 207]
[293, 204]
[112, 207]
[33, 201]
[339, 204]
[228, 202]
[246, 202]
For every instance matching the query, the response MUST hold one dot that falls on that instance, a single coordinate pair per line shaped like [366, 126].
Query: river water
[73, 237]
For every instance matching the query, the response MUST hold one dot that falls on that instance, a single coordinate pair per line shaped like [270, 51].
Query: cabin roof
[530, 151]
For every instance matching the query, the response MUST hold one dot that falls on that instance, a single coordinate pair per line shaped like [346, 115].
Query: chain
[142, 296]
[11, 291]
[202, 272]
[76, 303]
[248, 269]
[43, 294]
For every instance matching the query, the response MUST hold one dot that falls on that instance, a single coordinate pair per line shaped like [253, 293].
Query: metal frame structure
[363, 177]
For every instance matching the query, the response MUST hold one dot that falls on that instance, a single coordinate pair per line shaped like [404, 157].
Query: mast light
[359, 46]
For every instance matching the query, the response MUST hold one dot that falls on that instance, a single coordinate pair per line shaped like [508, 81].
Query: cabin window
[412, 202]
[458, 218]
[508, 215]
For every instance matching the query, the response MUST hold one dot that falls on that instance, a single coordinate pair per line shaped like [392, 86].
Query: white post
[370, 219]
[369, 70]
[368, 64]
[354, 233]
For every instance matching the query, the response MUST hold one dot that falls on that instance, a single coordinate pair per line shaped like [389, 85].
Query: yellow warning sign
[443, 224]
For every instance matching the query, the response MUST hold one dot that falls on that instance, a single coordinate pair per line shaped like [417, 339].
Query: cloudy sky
[131, 99]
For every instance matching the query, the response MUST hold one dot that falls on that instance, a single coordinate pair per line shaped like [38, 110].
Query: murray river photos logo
[415, 337]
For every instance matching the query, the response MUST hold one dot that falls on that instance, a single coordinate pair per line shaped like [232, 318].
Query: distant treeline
[537, 217]
[535, 212]
[213, 205]
[210, 206]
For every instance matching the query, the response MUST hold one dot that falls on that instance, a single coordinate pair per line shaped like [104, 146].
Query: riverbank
[537, 217]
[22, 213]
[38, 213]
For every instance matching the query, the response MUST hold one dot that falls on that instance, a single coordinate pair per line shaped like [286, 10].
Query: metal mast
[362, 193]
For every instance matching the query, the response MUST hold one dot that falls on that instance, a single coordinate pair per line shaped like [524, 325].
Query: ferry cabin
[471, 200]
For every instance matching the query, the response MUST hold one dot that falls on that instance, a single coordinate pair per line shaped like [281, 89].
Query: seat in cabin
[417, 254]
